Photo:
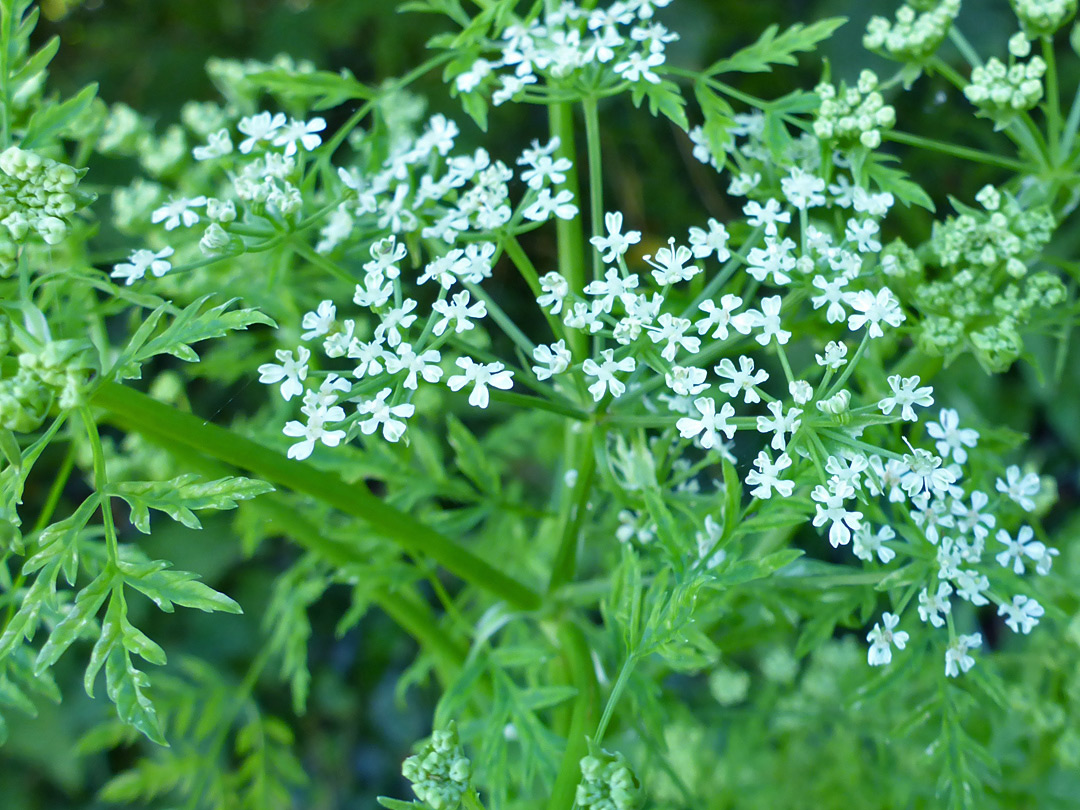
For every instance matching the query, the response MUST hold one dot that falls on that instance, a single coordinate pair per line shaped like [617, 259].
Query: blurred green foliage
[151, 54]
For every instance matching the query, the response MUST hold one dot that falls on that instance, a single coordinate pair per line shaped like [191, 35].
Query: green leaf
[78, 619]
[476, 106]
[470, 457]
[321, 89]
[718, 122]
[897, 183]
[179, 497]
[770, 49]
[544, 697]
[111, 630]
[664, 99]
[60, 540]
[167, 587]
[397, 804]
[50, 119]
[127, 687]
[190, 326]
[35, 64]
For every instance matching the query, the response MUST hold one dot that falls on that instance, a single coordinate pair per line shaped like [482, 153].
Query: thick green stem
[562, 571]
[137, 412]
[569, 233]
[579, 665]
[596, 178]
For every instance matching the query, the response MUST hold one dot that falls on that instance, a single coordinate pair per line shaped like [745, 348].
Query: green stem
[569, 232]
[596, 178]
[139, 413]
[575, 652]
[562, 570]
[528, 272]
[965, 152]
[613, 698]
[1053, 94]
[101, 483]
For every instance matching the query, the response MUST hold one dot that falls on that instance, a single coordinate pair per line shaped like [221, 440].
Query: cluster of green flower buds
[37, 379]
[898, 260]
[987, 295]
[1001, 91]
[1002, 237]
[914, 36]
[607, 783]
[849, 116]
[36, 193]
[440, 771]
[1041, 18]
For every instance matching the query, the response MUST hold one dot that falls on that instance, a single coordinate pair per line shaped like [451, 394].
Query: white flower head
[882, 640]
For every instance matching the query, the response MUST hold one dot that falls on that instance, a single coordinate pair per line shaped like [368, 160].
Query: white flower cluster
[956, 522]
[623, 37]
[36, 193]
[403, 346]
[914, 36]
[849, 116]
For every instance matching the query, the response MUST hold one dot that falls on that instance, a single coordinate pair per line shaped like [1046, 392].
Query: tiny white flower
[259, 128]
[882, 640]
[459, 313]
[177, 212]
[319, 321]
[140, 261]
[303, 132]
[555, 289]
[933, 607]
[766, 216]
[1020, 488]
[686, 381]
[292, 370]
[767, 320]
[874, 309]
[671, 264]
[605, 374]
[803, 190]
[1023, 614]
[218, 145]
[957, 659]
[705, 243]
[718, 318]
[480, 375]
[866, 543]
[951, 438]
[616, 243]
[835, 355]
[744, 380]
[425, 365]
[906, 394]
[555, 359]
[831, 509]
[779, 424]
[388, 416]
[766, 477]
[709, 424]
[1015, 550]
[314, 431]
[637, 67]
[545, 206]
